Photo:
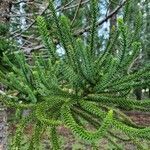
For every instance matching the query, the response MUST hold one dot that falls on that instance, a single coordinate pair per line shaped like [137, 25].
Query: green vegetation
[78, 88]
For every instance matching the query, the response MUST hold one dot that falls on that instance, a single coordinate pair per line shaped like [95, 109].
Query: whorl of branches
[79, 84]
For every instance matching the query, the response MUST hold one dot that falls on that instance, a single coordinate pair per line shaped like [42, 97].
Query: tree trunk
[113, 19]
[5, 6]
[3, 127]
[138, 93]
[113, 22]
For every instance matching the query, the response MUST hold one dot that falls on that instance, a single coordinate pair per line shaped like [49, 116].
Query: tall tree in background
[146, 34]
[113, 20]
[5, 7]
[140, 26]
[134, 20]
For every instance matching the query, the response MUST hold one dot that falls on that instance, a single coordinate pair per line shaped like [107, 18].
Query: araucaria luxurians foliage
[81, 86]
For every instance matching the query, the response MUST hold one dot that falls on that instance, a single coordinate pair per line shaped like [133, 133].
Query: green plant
[64, 90]
[7, 47]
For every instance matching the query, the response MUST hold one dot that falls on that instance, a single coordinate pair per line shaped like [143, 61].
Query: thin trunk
[3, 127]
[113, 22]
[138, 93]
[5, 6]
[113, 19]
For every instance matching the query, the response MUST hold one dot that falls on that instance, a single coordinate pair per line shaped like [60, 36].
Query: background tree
[5, 7]
[146, 34]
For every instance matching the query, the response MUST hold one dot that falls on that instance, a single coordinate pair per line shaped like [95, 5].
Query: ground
[69, 142]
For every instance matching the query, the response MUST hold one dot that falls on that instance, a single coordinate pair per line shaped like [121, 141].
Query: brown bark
[113, 22]
[5, 6]
[3, 127]
[138, 93]
[113, 19]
